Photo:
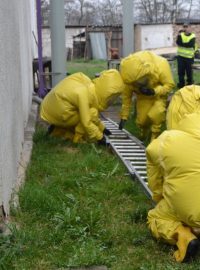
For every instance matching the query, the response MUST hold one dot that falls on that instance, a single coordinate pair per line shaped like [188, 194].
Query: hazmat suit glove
[147, 91]
[107, 132]
[102, 141]
[122, 124]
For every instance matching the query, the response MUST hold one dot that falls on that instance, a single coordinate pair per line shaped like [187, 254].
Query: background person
[72, 107]
[173, 170]
[149, 77]
[186, 41]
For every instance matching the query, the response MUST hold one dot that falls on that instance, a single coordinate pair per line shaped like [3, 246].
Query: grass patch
[79, 208]
[88, 67]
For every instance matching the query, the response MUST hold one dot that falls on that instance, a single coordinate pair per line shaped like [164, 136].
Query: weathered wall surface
[69, 33]
[156, 36]
[15, 89]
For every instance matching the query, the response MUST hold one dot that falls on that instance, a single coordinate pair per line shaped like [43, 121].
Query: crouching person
[148, 77]
[173, 170]
[72, 107]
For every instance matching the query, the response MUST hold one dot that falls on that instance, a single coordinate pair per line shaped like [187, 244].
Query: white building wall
[15, 89]
[46, 42]
[156, 36]
[69, 33]
[34, 36]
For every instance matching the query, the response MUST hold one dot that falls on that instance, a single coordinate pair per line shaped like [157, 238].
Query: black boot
[180, 85]
[50, 130]
[192, 249]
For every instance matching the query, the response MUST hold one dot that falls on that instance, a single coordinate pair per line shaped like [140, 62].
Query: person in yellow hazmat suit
[72, 107]
[148, 77]
[184, 101]
[173, 170]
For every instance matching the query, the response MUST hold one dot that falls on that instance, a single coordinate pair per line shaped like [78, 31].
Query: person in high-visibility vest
[186, 41]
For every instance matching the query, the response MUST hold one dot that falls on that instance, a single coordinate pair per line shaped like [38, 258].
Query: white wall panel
[15, 89]
[156, 36]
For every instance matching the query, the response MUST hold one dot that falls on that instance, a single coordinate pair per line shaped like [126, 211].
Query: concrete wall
[15, 89]
[69, 33]
[153, 36]
[34, 36]
[146, 37]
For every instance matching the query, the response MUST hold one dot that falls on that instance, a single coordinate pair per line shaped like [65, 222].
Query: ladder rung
[131, 151]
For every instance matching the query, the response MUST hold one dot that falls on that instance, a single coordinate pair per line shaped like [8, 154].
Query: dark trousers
[185, 68]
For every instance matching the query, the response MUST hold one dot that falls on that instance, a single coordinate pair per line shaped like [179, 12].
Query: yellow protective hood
[108, 86]
[190, 124]
[189, 94]
[138, 65]
[184, 101]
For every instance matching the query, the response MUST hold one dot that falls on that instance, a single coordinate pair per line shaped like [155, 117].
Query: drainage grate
[131, 151]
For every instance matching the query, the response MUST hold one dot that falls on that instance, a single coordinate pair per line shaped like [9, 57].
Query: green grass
[88, 67]
[196, 76]
[78, 207]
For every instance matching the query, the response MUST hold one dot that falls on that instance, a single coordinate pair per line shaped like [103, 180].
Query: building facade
[15, 89]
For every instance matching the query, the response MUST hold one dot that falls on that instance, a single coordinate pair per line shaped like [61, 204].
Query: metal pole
[128, 27]
[58, 49]
[41, 91]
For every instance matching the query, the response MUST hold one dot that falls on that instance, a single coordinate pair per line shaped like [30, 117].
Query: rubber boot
[187, 244]
[78, 138]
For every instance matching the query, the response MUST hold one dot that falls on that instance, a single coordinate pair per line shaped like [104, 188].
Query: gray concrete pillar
[58, 49]
[128, 27]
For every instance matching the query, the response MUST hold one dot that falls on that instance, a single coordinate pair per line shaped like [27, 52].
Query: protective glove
[102, 141]
[122, 123]
[147, 91]
[107, 132]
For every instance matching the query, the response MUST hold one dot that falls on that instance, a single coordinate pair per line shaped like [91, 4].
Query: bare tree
[80, 12]
[110, 11]
[107, 12]
[161, 11]
[190, 8]
[195, 12]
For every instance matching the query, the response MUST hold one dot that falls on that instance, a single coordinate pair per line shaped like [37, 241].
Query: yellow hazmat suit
[73, 105]
[184, 101]
[146, 70]
[173, 170]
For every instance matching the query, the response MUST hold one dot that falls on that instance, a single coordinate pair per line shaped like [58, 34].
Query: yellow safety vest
[183, 51]
[196, 46]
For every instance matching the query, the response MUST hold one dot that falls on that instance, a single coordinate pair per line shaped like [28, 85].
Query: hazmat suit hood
[137, 66]
[184, 101]
[190, 124]
[190, 97]
[108, 87]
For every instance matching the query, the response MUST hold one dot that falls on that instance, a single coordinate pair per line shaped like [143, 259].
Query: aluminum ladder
[131, 151]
